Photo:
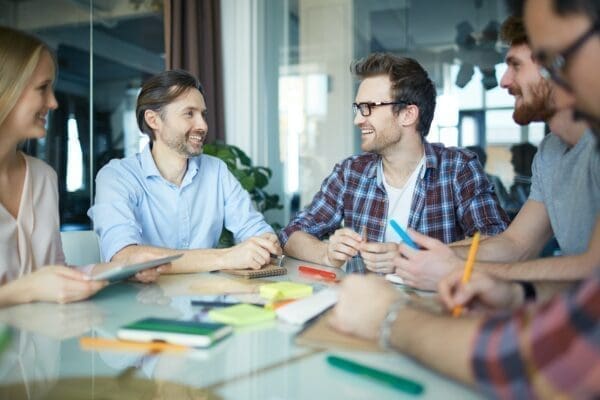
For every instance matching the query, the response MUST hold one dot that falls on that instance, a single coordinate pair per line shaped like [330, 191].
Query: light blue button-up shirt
[136, 205]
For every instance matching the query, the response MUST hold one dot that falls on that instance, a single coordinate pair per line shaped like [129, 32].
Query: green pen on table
[395, 381]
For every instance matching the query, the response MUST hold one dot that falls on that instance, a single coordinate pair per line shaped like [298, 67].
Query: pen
[204, 303]
[397, 382]
[403, 235]
[468, 269]
[94, 343]
[319, 272]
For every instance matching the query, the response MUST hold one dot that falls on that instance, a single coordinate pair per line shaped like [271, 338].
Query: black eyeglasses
[365, 108]
[552, 66]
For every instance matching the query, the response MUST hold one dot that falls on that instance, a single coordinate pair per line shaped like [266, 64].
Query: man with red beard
[566, 164]
[171, 198]
[441, 192]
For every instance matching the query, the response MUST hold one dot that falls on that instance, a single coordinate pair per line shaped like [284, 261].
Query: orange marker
[91, 343]
[468, 269]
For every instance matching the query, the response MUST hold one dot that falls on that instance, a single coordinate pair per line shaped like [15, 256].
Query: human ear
[409, 115]
[152, 119]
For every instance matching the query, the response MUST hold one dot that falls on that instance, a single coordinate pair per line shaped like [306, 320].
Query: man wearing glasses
[549, 351]
[566, 163]
[440, 192]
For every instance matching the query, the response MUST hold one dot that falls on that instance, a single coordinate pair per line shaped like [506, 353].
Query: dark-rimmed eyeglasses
[553, 66]
[365, 108]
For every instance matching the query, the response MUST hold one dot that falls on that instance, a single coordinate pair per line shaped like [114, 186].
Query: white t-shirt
[400, 201]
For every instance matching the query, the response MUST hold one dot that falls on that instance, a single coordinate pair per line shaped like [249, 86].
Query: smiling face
[27, 119]
[181, 126]
[380, 131]
[523, 81]
[552, 34]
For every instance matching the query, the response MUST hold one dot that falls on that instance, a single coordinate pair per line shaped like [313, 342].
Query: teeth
[367, 132]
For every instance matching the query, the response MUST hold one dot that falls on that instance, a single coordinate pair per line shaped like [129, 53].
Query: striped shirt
[548, 351]
[453, 199]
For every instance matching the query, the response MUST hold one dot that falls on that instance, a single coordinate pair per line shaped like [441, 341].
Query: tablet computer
[125, 271]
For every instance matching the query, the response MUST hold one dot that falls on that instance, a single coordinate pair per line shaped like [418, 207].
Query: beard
[540, 108]
[180, 144]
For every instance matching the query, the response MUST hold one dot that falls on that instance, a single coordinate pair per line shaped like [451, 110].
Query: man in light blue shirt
[171, 198]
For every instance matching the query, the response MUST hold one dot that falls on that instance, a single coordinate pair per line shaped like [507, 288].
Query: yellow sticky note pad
[285, 290]
[241, 314]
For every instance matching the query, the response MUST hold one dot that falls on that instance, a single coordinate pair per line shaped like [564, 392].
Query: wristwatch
[385, 331]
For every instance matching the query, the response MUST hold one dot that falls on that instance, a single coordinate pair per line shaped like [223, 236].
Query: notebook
[186, 333]
[241, 314]
[303, 310]
[268, 270]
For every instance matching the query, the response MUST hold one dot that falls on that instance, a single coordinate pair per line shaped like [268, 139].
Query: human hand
[363, 302]
[379, 257]
[424, 268]
[482, 292]
[275, 240]
[60, 284]
[138, 254]
[151, 274]
[343, 245]
[251, 253]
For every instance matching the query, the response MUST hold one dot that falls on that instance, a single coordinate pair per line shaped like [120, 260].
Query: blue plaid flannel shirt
[452, 200]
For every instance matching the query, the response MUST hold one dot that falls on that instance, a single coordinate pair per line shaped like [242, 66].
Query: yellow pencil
[94, 343]
[468, 269]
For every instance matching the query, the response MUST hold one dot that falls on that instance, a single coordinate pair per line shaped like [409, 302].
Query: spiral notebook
[268, 270]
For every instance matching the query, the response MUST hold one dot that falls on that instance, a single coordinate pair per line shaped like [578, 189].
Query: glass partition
[104, 50]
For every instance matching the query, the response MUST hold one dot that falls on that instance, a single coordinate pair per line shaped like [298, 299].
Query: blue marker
[403, 235]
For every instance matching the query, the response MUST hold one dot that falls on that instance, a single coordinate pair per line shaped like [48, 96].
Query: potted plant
[252, 178]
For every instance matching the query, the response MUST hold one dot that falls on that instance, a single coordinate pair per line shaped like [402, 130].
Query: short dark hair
[522, 157]
[512, 31]
[561, 7]
[160, 90]
[410, 83]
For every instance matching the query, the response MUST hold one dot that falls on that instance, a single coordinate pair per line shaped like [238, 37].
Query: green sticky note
[241, 314]
[285, 290]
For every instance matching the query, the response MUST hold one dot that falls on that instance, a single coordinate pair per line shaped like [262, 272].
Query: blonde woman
[29, 222]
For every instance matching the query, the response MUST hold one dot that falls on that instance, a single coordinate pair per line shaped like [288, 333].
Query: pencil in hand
[468, 269]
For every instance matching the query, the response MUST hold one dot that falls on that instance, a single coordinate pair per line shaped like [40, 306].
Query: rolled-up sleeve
[325, 212]
[548, 351]
[478, 206]
[113, 213]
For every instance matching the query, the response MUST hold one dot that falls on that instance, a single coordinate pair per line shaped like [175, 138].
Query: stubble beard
[181, 146]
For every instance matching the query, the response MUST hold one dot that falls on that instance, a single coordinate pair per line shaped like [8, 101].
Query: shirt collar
[431, 157]
[150, 169]
[431, 161]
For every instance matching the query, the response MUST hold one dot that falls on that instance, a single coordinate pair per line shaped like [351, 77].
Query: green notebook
[241, 314]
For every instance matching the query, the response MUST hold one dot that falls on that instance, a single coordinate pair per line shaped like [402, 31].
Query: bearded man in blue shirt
[171, 198]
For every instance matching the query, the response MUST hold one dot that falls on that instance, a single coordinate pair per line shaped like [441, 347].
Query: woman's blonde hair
[19, 56]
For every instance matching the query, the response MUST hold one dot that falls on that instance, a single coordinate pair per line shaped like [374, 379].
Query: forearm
[15, 292]
[198, 260]
[437, 341]
[304, 246]
[495, 249]
[566, 268]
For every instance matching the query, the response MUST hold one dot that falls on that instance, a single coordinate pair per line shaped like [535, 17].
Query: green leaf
[247, 182]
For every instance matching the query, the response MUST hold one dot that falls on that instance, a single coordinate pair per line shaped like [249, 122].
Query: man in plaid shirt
[438, 191]
[549, 350]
